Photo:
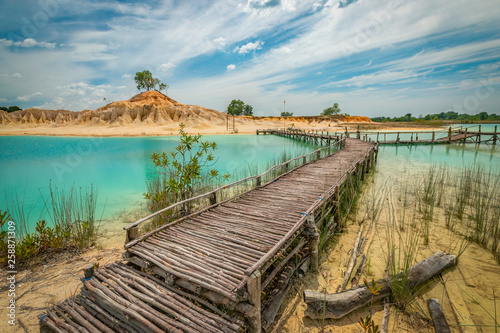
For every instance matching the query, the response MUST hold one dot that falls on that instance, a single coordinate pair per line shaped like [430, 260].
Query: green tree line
[10, 108]
[450, 115]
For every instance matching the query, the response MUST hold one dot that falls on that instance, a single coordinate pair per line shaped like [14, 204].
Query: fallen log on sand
[440, 323]
[321, 305]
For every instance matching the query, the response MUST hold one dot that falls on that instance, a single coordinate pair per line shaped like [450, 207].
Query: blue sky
[372, 57]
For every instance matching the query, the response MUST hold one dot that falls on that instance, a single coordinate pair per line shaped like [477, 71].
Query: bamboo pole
[254, 298]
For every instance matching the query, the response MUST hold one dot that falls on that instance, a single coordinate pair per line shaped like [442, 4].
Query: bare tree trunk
[321, 305]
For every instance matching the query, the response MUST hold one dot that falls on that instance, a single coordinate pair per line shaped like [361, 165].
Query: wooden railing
[340, 144]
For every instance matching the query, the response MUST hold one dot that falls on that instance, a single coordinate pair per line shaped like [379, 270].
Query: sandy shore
[242, 126]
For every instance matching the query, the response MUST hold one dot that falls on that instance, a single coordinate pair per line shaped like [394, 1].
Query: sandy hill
[152, 113]
[150, 107]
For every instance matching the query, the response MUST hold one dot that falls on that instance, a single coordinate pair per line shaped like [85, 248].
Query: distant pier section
[471, 134]
[320, 137]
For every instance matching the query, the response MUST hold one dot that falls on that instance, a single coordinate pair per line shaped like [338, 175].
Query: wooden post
[313, 242]
[449, 134]
[495, 136]
[254, 298]
[304, 160]
[433, 136]
[377, 135]
[358, 133]
[286, 167]
[416, 140]
[478, 137]
[132, 234]
[346, 132]
[257, 132]
[88, 271]
[363, 166]
[384, 137]
[213, 198]
[329, 148]
[318, 154]
[411, 138]
[337, 198]
[397, 139]
[465, 135]
[258, 181]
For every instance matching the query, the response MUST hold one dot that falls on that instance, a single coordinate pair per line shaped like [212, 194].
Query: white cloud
[3, 100]
[166, 67]
[220, 42]
[231, 67]
[27, 43]
[15, 75]
[251, 46]
[26, 98]
[126, 76]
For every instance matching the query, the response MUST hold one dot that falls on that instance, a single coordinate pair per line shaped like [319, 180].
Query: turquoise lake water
[117, 166]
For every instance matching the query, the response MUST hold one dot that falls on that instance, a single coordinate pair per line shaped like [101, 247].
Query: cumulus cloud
[26, 98]
[220, 42]
[27, 43]
[126, 76]
[15, 75]
[231, 67]
[251, 46]
[166, 67]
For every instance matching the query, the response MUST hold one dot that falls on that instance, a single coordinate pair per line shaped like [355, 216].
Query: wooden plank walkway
[225, 241]
[218, 254]
[314, 136]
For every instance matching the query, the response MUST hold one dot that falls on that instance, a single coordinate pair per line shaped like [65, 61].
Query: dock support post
[329, 148]
[132, 234]
[478, 137]
[304, 160]
[254, 298]
[318, 155]
[449, 134]
[258, 181]
[433, 136]
[397, 139]
[313, 242]
[377, 135]
[88, 271]
[336, 195]
[495, 136]
[213, 198]
[358, 133]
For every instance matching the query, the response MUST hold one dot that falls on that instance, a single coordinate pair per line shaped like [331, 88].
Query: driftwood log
[321, 305]
[440, 323]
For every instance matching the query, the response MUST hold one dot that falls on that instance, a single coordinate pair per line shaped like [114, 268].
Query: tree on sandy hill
[235, 107]
[331, 110]
[145, 80]
[248, 110]
[239, 108]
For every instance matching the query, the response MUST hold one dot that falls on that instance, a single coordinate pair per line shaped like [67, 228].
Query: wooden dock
[452, 135]
[207, 272]
[319, 137]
